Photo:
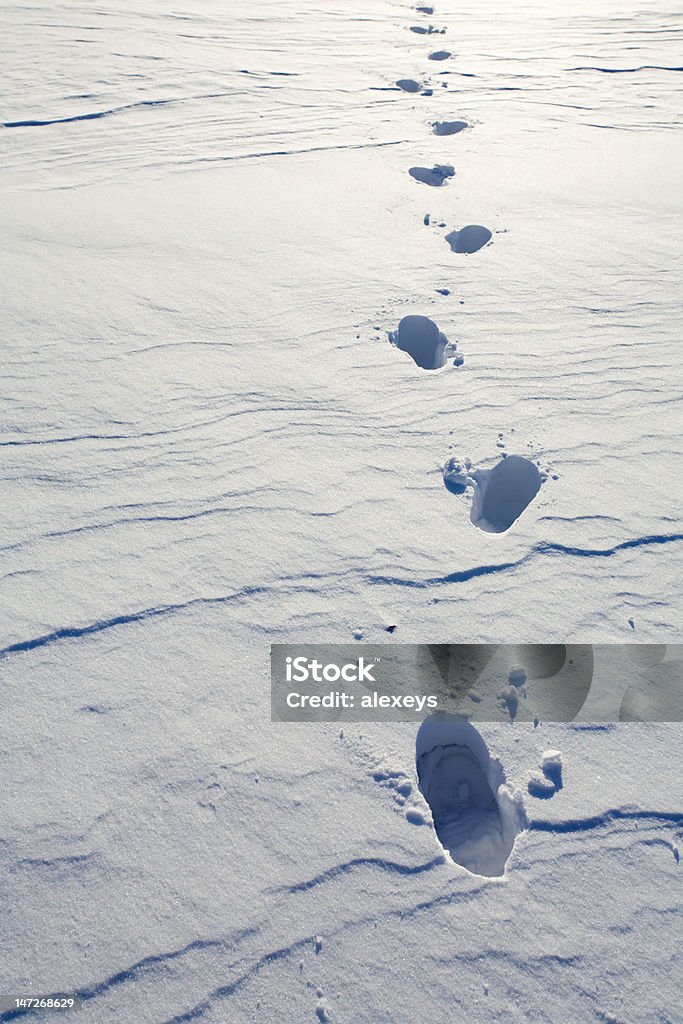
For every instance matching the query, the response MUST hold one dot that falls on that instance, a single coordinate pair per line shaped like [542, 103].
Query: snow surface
[209, 443]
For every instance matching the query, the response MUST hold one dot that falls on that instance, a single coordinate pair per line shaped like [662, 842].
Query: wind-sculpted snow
[309, 941]
[309, 583]
[214, 218]
[391, 867]
[652, 819]
[151, 82]
[543, 548]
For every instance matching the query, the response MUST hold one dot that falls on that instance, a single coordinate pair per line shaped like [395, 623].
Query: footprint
[476, 815]
[430, 31]
[425, 10]
[448, 127]
[440, 55]
[469, 239]
[421, 338]
[501, 494]
[408, 85]
[437, 176]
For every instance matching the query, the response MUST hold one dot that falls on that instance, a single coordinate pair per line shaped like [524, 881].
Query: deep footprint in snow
[408, 85]
[440, 55]
[469, 239]
[476, 815]
[431, 31]
[421, 338]
[501, 494]
[448, 127]
[436, 176]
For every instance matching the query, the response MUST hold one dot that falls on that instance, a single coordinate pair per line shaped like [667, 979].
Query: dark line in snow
[464, 575]
[544, 548]
[76, 632]
[97, 114]
[291, 152]
[626, 71]
[601, 820]
[130, 973]
[636, 542]
[393, 867]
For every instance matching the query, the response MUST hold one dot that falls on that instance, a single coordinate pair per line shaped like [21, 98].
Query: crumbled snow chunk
[517, 677]
[551, 759]
[539, 784]
[415, 816]
[455, 476]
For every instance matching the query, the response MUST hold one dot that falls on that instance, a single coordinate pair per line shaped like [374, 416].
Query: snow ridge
[389, 866]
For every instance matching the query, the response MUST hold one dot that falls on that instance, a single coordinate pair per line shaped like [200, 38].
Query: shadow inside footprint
[469, 239]
[448, 127]
[421, 338]
[501, 494]
[440, 55]
[475, 816]
[430, 31]
[436, 176]
[408, 85]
